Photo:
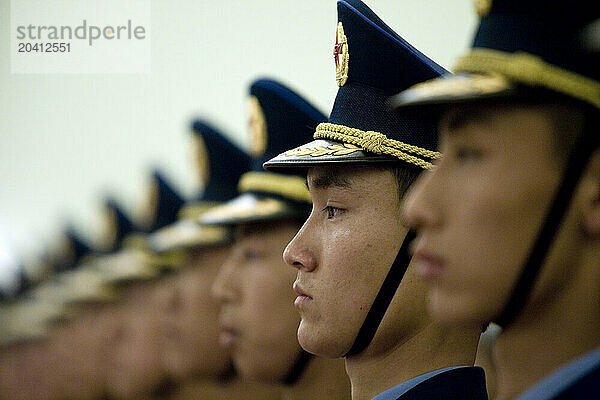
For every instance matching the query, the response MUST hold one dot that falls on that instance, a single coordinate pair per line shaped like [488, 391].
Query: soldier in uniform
[134, 366]
[51, 344]
[257, 317]
[188, 321]
[509, 221]
[187, 314]
[357, 292]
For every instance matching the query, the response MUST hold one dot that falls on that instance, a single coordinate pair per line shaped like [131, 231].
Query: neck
[235, 388]
[323, 379]
[552, 329]
[431, 348]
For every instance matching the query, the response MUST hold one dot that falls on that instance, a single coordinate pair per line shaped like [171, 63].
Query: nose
[297, 253]
[223, 287]
[419, 208]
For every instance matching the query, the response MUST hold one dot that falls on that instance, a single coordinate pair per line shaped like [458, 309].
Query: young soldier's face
[135, 368]
[257, 317]
[343, 252]
[189, 317]
[477, 212]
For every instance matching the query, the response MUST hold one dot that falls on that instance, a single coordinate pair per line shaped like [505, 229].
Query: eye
[251, 253]
[467, 153]
[332, 212]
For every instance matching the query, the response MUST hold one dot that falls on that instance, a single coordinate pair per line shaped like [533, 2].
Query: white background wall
[68, 139]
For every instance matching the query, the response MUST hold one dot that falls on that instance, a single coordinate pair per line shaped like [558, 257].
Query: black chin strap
[298, 368]
[578, 160]
[383, 298]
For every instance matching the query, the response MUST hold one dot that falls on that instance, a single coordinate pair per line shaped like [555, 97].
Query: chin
[256, 372]
[328, 346]
[451, 310]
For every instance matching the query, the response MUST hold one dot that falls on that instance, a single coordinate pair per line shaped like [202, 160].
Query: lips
[429, 265]
[303, 297]
[228, 335]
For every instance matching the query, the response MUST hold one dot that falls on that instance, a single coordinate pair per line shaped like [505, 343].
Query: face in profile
[477, 212]
[254, 286]
[342, 254]
[78, 351]
[189, 317]
[135, 368]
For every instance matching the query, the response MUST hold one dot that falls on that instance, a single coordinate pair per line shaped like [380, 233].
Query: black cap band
[384, 297]
[298, 368]
[578, 160]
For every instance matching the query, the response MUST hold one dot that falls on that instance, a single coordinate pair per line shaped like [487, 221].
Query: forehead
[261, 229]
[346, 177]
[497, 117]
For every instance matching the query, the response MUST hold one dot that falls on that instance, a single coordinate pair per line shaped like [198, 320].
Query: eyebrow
[329, 179]
[459, 117]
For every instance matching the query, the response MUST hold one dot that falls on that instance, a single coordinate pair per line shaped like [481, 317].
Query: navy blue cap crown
[73, 248]
[522, 49]
[121, 223]
[289, 118]
[226, 163]
[168, 203]
[278, 119]
[551, 30]
[372, 63]
[381, 63]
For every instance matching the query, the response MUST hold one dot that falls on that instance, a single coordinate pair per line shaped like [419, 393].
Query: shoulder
[454, 383]
[457, 383]
[583, 388]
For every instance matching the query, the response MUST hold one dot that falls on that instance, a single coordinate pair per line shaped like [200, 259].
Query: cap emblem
[340, 55]
[257, 126]
[201, 161]
[145, 214]
[482, 7]
[107, 231]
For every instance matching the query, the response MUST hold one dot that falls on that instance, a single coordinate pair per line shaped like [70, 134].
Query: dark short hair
[405, 175]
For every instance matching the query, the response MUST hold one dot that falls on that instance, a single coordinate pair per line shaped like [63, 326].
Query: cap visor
[188, 233]
[323, 151]
[248, 208]
[436, 94]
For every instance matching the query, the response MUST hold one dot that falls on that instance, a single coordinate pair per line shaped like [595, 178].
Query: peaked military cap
[27, 320]
[219, 164]
[163, 203]
[69, 250]
[135, 261]
[16, 284]
[278, 119]
[372, 62]
[527, 51]
[522, 49]
[116, 225]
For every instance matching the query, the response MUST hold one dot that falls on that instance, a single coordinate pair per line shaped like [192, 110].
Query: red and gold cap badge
[340, 54]
[201, 161]
[482, 7]
[257, 125]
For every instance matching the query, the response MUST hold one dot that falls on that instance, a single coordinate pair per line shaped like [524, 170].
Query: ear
[591, 197]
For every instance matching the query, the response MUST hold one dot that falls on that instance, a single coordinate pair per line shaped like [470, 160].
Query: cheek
[352, 268]
[196, 292]
[270, 297]
[493, 224]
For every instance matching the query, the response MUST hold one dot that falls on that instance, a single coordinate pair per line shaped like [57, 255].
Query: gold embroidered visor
[248, 208]
[27, 320]
[491, 74]
[188, 233]
[136, 264]
[338, 143]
